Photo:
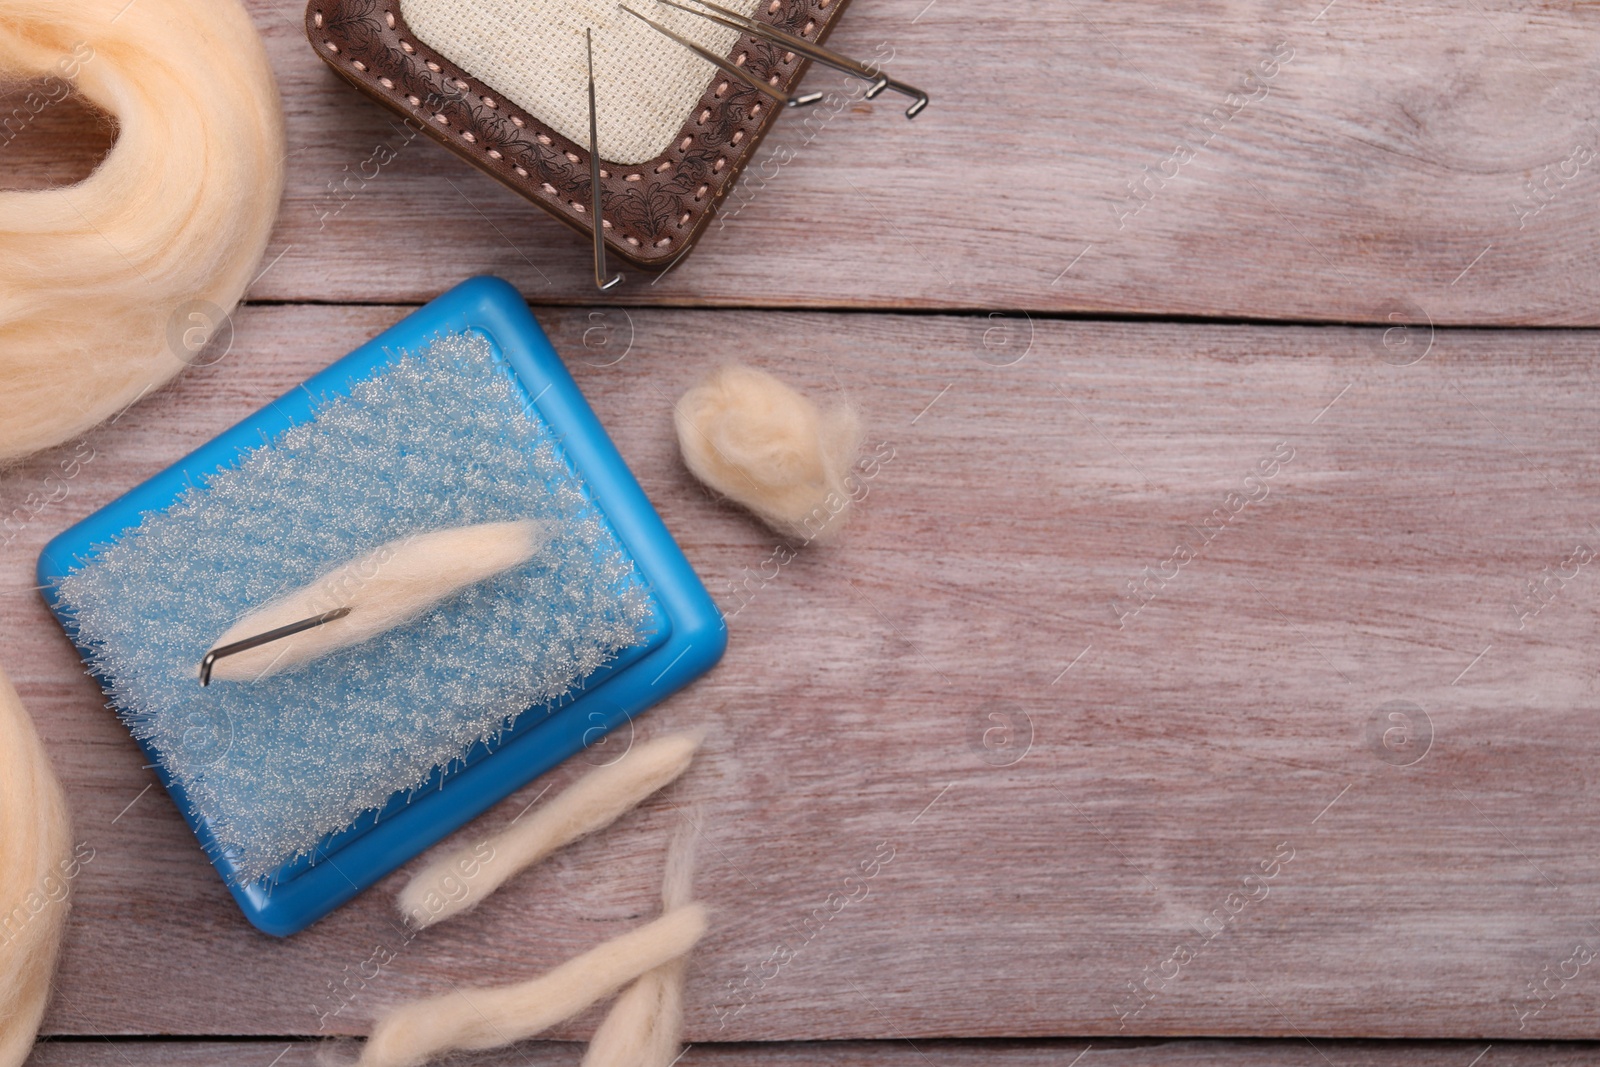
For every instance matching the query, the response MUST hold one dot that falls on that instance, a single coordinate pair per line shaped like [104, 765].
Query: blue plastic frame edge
[695, 639]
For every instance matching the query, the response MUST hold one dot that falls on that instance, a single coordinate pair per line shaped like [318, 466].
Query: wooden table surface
[1307, 756]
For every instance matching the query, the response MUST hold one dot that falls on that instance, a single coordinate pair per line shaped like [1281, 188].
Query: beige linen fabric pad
[532, 51]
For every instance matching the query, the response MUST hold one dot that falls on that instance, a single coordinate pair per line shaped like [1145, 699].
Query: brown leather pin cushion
[655, 210]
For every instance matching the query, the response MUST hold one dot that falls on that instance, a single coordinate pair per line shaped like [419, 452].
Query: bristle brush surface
[435, 439]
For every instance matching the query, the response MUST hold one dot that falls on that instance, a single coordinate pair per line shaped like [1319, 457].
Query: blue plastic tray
[689, 633]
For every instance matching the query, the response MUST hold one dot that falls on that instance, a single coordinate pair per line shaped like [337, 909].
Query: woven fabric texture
[532, 51]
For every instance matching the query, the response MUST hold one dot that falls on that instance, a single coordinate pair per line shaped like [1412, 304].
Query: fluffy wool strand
[415, 1033]
[35, 844]
[382, 589]
[757, 441]
[595, 801]
[111, 286]
[644, 1028]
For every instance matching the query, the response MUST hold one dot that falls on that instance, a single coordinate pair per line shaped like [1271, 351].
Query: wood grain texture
[46, 142]
[1384, 164]
[945, 793]
[1204, 1053]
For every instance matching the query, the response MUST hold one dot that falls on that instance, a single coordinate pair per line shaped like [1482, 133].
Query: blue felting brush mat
[306, 787]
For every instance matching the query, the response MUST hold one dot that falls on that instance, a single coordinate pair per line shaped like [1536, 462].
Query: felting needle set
[357, 620]
[502, 84]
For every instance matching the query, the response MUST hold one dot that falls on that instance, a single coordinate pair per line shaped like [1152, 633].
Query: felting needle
[600, 271]
[730, 68]
[827, 57]
[258, 640]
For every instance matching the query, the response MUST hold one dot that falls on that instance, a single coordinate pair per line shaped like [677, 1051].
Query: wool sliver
[387, 587]
[600, 798]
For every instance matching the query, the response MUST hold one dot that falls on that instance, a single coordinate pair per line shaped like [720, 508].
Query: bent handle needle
[825, 56]
[261, 639]
[600, 272]
[730, 68]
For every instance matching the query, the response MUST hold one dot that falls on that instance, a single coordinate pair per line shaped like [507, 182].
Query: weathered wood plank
[46, 143]
[1290, 160]
[1069, 802]
[1106, 1053]
[1348, 159]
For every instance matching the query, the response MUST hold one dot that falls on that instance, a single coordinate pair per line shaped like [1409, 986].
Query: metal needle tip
[827, 57]
[258, 640]
[601, 281]
[722, 63]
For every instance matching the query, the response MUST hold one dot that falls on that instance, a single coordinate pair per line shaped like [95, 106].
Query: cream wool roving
[644, 1028]
[35, 867]
[385, 588]
[597, 800]
[754, 439]
[109, 286]
[415, 1033]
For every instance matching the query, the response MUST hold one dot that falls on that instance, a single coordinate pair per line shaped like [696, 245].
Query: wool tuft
[757, 441]
[110, 287]
[36, 867]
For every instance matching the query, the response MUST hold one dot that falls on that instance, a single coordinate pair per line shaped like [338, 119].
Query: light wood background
[1340, 275]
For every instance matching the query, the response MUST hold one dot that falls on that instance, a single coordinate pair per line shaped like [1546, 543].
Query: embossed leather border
[654, 211]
